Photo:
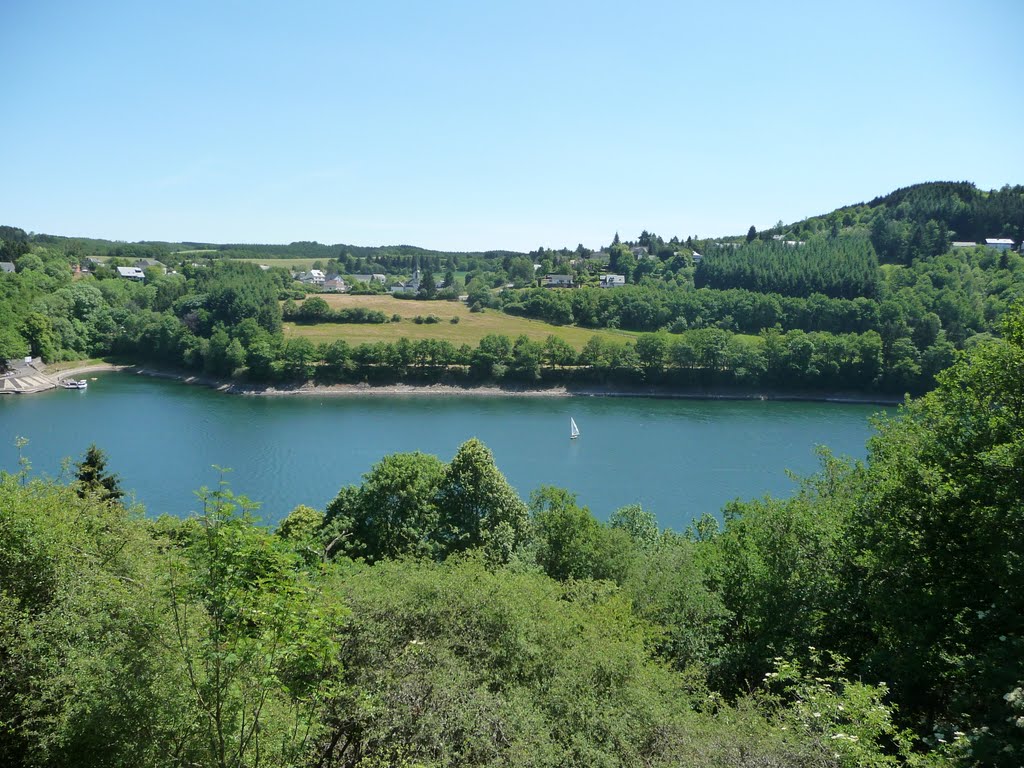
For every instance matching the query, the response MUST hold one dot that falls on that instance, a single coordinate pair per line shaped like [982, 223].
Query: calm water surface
[679, 458]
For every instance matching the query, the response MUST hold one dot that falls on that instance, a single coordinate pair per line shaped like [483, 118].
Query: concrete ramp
[25, 381]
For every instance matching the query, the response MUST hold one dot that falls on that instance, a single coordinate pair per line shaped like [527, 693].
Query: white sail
[574, 431]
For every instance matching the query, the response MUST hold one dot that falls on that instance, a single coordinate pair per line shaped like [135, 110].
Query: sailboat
[574, 431]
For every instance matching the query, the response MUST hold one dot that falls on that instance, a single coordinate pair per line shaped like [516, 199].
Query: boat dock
[25, 377]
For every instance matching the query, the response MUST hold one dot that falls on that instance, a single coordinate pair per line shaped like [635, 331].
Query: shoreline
[488, 390]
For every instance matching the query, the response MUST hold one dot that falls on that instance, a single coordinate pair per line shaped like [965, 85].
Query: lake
[679, 458]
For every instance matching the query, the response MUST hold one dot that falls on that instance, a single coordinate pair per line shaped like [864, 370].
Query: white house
[639, 251]
[558, 281]
[411, 286]
[999, 243]
[963, 244]
[697, 258]
[131, 273]
[313, 277]
[611, 281]
[6, 266]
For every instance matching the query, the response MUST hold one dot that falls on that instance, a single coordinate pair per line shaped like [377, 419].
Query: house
[410, 286]
[611, 281]
[313, 277]
[639, 251]
[335, 284]
[131, 273]
[148, 263]
[963, 244]
[6, 266]
[376, 276]
[558, 281]
[697, 258]
[999, 243]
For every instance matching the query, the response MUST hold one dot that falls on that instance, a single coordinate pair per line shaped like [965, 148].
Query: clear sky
[483, 125]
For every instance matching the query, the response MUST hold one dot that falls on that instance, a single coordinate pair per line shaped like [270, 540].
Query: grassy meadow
[472, 326]
[300, 264]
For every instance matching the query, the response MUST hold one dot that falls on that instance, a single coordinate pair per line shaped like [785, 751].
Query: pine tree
[93, 478]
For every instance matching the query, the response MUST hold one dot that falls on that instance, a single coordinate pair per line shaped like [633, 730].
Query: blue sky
[476, 125]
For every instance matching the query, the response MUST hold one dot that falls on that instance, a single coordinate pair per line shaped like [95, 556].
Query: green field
[472, 326]
[300, 264]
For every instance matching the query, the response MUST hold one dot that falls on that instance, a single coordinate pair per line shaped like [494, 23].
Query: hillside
[872, 297]
[922, 219]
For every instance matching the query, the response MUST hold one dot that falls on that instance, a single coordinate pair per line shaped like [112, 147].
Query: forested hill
[921, 220]
[305, 249]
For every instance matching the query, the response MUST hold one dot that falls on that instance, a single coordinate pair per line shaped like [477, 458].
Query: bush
[454, 321]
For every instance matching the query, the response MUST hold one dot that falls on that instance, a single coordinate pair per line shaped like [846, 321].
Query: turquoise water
[679, 458]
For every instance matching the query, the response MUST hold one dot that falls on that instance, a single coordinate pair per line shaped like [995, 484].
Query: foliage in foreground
[211, 641]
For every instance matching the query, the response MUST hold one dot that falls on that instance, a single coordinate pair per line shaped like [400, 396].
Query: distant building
[313, 277]
[558, 281]
[151, 263]
[697, 258]
[963, 244]
[410, 286]
[639, 251]
[6, 266]
[131, 273]
[376, 277]
[335, 284]
[999, 243]
[612, 281]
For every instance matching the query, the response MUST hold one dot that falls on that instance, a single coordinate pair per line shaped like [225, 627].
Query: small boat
[574, 431]
[73, 384]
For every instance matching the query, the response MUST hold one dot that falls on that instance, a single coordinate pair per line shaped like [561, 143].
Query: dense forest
[429, 616]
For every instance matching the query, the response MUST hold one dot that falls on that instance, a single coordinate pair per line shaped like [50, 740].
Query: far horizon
[462, 127]
[596, 246]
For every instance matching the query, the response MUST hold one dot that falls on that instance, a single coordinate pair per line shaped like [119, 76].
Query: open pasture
[472, 326]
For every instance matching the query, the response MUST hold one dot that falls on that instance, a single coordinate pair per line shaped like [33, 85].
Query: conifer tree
[95, 480]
